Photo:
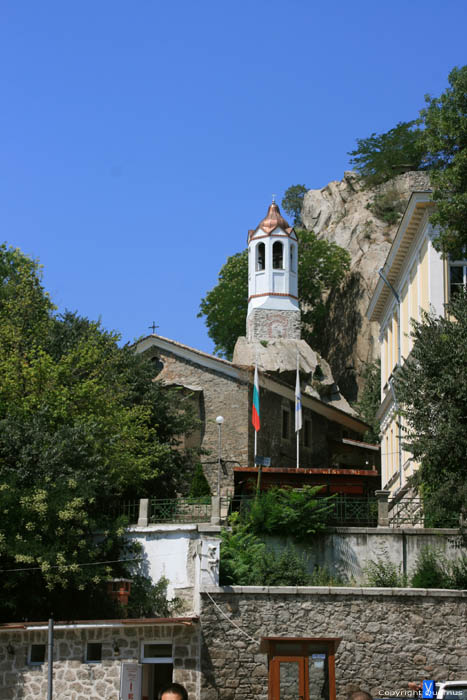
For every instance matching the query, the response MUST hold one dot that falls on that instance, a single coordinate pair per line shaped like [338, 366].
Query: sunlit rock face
[340, 213]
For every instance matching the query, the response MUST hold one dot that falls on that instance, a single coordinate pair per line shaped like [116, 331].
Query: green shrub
[285, 511]
[321, 576]
[286, 568]
[149, 599]
[430, 570]
[382, 573]
[459, 573]
[388, 206]
[246, 561]
[199, 484]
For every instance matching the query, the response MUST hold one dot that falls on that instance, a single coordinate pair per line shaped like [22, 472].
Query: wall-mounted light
[10, 649]
[115, 647]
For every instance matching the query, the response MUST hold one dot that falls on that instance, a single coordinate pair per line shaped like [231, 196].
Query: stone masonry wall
[221, 396]
[74, 679]
[266, 324]
[389, 637]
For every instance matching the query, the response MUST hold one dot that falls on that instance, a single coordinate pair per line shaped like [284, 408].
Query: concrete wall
[389, 637]
[346, 551]
[187, 555]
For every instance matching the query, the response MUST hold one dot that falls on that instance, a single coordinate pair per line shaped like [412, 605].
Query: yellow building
[414, 278]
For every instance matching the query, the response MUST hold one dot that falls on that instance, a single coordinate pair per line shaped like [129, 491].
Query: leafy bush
[199, 484]
[431, 570]
[282, 511]
[321, 576]
[149, 599]
[388, 206]
[246, 561]
[382, 573]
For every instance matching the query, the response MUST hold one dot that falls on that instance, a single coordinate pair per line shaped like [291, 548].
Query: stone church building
[332, 450]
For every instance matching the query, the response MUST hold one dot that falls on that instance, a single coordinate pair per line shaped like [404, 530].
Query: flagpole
[298, 412]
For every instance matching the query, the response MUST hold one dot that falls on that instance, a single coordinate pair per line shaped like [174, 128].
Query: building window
[278, 256]
[292, 258]
[285, 424]
[301, 668]
[36, 654]
[457, 278]
[93, 652]
[307, 433]
[260, 257]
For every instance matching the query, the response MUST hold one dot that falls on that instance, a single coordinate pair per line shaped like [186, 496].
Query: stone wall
[220, 395]
[267, 324]
[76, 679]
[389, 637]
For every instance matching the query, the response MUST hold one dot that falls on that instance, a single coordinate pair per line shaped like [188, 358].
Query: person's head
[359, 695]
[173, 691]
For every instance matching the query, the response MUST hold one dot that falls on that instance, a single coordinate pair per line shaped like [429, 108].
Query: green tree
[431, 390]
[225, 306]
[370, 400]
[292, 202]
[379, 157]
[321, 265]
[81, 425]
[445, 140]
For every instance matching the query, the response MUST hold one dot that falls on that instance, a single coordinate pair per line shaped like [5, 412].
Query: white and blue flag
[298, 403]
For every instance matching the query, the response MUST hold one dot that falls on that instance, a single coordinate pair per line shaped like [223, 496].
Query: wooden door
[288, 678]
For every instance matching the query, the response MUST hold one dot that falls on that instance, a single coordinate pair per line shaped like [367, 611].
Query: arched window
[278, 256]
[260, 256]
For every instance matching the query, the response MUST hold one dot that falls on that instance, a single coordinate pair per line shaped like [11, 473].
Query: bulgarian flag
[255, 407]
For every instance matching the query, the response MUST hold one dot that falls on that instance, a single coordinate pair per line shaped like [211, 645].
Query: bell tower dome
[273, 310]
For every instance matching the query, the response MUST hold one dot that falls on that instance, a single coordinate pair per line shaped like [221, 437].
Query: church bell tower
[273, 310]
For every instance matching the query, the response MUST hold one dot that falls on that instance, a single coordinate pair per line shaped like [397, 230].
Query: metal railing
[179, 510]
[346, 511]
[129, 509]
[360, 512]
[410, 512]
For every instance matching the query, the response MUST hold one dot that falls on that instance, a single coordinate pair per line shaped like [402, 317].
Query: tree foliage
[281, 511]
[321, 265]
[445, 139]
[380, 157]
[292, 202]
[81, 425]
[246, 561]
[431, 389]
[225, 306]
[370, 400]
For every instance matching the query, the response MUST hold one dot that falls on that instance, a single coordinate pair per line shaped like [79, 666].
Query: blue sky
[140, 141]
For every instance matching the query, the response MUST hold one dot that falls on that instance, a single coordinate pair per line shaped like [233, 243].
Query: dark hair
[360, 695]
[176, 689]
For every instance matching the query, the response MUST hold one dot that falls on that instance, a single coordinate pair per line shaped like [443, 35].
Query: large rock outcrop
[340, 213]
[280, 357]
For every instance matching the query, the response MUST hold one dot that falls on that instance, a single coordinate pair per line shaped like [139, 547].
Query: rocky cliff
[351, 216]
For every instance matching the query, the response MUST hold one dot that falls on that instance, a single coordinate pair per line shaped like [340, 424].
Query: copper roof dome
[272, 220]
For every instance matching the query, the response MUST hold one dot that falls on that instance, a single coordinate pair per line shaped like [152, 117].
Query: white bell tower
[273, 310]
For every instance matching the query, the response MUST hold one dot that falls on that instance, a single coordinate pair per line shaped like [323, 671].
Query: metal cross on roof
[153, 327]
